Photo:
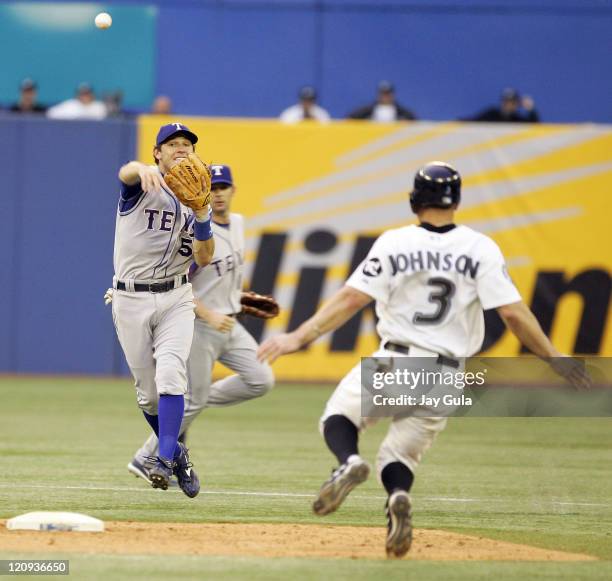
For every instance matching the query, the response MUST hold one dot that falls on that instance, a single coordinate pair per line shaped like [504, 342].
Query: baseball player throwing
[431, 282]
[218, 335]
[156, 238]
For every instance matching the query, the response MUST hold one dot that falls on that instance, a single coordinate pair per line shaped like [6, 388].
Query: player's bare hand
[108, 296]
[220, 322]
[572, 369]
[150, 179]
[271, 349]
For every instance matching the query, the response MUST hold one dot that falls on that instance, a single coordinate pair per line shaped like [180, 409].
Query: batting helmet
[436, 185]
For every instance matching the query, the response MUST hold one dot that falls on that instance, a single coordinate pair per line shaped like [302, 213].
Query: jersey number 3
[441, 296]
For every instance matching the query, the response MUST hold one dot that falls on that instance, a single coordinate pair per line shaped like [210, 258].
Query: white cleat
[333, 492]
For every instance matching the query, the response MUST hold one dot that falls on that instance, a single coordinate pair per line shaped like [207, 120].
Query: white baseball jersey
[219, 284]
[153, 235]
[431, 288]
[295, 114]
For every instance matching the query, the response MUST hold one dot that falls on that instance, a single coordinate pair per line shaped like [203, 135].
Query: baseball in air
[103, 20]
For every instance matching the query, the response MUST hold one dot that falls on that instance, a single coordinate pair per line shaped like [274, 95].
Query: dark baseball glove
[189, 180]
[260, 306]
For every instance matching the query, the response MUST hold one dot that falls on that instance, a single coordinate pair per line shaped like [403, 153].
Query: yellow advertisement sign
[316, 196]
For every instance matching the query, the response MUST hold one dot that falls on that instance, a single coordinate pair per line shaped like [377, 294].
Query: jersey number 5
[441, 296]
[185, 249]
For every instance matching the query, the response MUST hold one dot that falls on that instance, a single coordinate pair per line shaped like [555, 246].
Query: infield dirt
[271, 540]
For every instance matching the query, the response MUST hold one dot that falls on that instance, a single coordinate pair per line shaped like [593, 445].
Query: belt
[441, 360]
[154, 287]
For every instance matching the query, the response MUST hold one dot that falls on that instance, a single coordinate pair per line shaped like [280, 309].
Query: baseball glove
[189, 180]
[260, 306]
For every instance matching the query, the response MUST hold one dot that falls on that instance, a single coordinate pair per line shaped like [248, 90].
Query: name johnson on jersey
[428, 260]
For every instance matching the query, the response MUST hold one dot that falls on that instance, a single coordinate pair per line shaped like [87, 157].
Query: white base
[55, 521]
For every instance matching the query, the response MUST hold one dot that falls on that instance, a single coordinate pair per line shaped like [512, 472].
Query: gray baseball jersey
[219, 284]
[153, 236]
[153, 242]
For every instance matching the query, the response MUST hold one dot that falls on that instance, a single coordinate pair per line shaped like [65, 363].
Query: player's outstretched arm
[522, 323]
[333, 314]
[149, 177]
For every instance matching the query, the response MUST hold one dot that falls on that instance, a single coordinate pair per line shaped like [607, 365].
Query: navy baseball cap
[27, 85]
[221, 174]
[510, 94]
[84, 87]
[386, 87]
[307, 93]
[167, 131]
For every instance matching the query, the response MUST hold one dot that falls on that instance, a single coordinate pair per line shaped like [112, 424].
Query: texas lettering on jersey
[228, 263]
[218, 285]
[153, 236]
[164, 219]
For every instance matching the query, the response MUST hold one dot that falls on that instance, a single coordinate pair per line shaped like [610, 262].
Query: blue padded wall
[63, 188]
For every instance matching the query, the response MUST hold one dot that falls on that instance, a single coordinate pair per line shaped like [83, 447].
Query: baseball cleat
[333, 492]
[399, 525]
[139, 469]
[188, 480]
[161, 473]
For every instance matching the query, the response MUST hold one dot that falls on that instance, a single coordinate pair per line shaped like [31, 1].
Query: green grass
[64, 445]
[113, 567]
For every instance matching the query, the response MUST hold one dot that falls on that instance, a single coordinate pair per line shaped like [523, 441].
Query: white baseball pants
[407, 439]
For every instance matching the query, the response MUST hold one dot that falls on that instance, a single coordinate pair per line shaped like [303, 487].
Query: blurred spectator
[83, 106]
[162, 105]
[512, 109]
[306, 109]
[28, 93]
[112, 102]
[385, 109]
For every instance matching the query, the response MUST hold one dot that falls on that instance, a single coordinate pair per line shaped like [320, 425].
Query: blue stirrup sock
[167, 424]
[171, 409]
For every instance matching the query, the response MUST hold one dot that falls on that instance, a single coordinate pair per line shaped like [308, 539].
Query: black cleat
[188, 480]
[161, 473]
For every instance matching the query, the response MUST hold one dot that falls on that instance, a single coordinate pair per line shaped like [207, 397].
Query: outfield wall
[314, 197]
[58, 202]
